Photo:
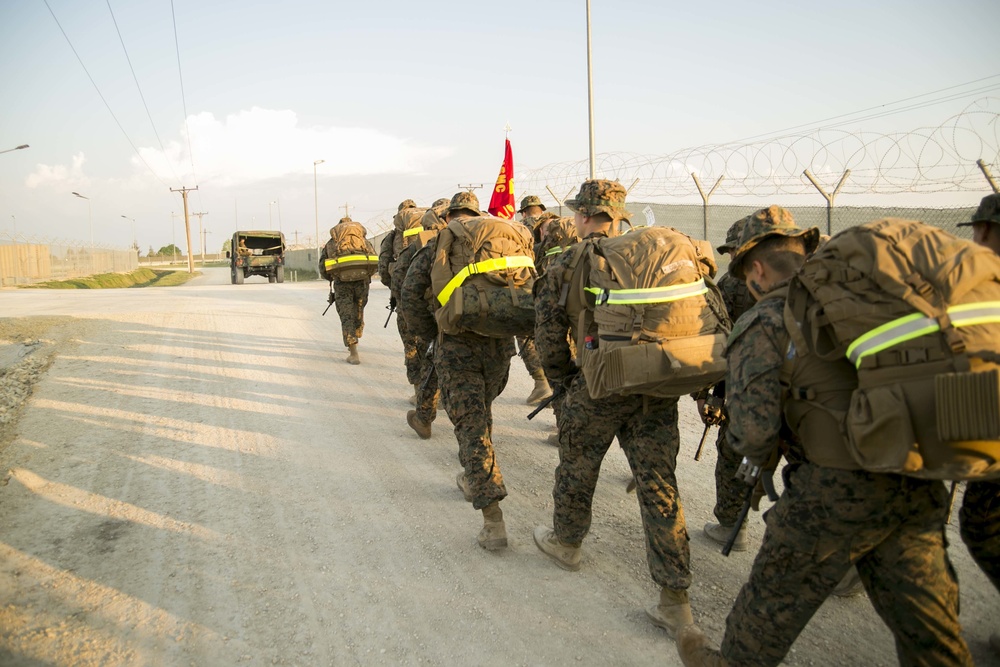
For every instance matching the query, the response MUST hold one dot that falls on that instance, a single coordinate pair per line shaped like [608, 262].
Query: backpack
[652, 320]
[559, 236]
[349, 255]
[482, 274]
[913, 314]
[408, 224]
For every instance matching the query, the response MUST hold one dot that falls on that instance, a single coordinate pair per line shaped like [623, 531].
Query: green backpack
[907, 319]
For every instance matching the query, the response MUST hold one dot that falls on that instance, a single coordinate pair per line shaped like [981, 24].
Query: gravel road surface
[194, 476]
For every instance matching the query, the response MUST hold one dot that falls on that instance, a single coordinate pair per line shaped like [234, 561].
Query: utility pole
[187, 223]
[347, 210]
[201, 236]
[470, 187]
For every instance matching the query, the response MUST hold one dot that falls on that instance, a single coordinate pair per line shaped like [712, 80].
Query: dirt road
[198, 478]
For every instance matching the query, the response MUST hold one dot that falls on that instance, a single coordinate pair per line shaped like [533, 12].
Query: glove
[711, 411]
[392, 303]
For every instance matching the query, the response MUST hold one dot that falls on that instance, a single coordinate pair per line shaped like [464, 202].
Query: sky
[409, 100]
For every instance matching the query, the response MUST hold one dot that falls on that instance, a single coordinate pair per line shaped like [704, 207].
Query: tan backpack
[481, 276]
[915, 314]
[349, 255]
[559, 236]
[651, 318]
[408, 224]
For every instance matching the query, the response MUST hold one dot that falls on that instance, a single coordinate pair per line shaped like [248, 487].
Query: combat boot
[673, 612]
[422, 429]
[541, 391]
[695, 650]
[493, 536]
[720, 533]
[463, 486]
[566, 557]
[352, 354]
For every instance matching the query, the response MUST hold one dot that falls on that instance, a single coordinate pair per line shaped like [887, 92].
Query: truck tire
[279, 274]
[238, 275]
[270, 278]
[232, 275]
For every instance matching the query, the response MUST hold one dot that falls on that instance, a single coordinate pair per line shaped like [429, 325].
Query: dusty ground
[194, 476]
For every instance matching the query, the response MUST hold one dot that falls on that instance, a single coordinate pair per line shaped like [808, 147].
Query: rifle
[329, 299]
[430, 368]
[751, 474]
[559, 391]
[392, 309]
[701, 445]
[951, 500]
[520, 348]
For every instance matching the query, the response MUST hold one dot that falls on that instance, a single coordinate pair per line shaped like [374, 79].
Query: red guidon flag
[502, 201]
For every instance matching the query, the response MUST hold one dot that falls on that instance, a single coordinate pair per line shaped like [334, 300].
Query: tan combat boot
[463, 486]
[541, 391]
[493, 536]
[566, 557]
[696, 651]
[352, 354]
[720, 533]
[673, 612]
[422, 429]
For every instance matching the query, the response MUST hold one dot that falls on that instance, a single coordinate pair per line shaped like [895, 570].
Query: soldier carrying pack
[652, 319]
[560, 234]
[407, 223]
[348, 254]
[910, 317]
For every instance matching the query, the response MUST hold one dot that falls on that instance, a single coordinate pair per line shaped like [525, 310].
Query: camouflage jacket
[413, 292]
[385, 258]
[755, 354]
[736, 296]
[397, 271]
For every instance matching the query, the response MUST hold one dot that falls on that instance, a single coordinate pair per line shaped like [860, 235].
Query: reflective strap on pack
[554, 250]
[412, 230]
[916, 325]
[623, 297]
[485, 266]
[349, 259]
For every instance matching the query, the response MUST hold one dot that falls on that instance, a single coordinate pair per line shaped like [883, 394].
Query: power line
[180, 75]
[139, 88]
[101, 95]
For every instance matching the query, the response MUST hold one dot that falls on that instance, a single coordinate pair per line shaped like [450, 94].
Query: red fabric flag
[502, 201]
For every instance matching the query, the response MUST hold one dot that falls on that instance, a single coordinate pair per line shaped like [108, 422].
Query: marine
[350, 296]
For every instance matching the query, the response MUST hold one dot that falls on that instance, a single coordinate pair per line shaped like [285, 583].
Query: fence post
[829, 197]
[560, 201]
[704, 201]
[989, 177]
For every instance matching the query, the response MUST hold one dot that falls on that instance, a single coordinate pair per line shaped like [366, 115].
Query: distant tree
[169, 250]
[151, 252]
[226, 246]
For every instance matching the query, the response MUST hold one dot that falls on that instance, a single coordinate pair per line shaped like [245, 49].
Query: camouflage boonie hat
[765, 223]
[406, 203]
[464, 200]
[440, 202]
[732, 237]
[988, 211]
[600, 196]
[530, 200]
[346, 219]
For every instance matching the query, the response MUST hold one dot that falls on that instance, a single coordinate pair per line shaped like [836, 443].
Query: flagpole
[590, 93]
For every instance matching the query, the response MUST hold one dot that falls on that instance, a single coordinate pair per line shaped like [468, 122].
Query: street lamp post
[90, 218]
[16, 148]
[316, 202]
[134, 245]
[269, 225]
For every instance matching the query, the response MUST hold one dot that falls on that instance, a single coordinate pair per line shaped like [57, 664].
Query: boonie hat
[600, 196]
[464, 200]
[988, 211]
[764, 224]
[530, 200]
[732, 237]
[406, 203]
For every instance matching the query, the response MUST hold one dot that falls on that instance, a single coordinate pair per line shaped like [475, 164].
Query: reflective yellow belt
[350, 259]
[412, 230]
[916, 325]
[622, 297]
[554, 250]
[485, 266]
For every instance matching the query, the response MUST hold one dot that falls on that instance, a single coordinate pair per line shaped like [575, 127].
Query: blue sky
[410, 99]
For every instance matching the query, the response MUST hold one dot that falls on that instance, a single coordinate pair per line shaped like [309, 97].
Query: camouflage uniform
[413, 307]
[890, 526]
[646, 428]
[387, 261]
[472, 371]
[350, 298]
[413, 346]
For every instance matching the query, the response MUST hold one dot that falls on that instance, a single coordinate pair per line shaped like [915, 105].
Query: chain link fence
[28, 259]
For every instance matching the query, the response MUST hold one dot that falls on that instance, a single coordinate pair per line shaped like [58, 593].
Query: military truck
[257, 253]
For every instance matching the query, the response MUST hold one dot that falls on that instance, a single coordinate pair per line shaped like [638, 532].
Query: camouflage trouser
[411, 351]
[529, 355]
[351, 297]
[427, 396]
[472, 371]
[647, 431]
[891, 527]
[980, 522]
[729, 492]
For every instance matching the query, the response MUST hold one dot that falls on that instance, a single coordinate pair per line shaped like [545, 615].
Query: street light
[16, 148]
[316, 202]
[269, 225]
[134, 245]
[90, 218]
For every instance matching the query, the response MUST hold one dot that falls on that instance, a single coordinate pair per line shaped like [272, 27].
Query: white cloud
[59, 174]
[263, 143]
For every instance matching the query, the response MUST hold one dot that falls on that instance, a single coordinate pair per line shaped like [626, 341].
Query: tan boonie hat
[765, 223]
[988, 211]
[732, 237]
[600, 196]
[464, 200]
[530, 200]
[406, 203]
